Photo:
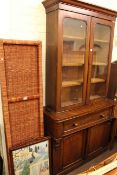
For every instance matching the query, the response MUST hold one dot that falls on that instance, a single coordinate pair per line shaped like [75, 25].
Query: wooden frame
[111, 25]
[85, 19]
[33, 158]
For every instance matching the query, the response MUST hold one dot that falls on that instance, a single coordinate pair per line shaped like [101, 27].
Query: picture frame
[31, 158]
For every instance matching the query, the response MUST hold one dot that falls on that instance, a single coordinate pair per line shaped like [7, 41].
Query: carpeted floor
[93, 162]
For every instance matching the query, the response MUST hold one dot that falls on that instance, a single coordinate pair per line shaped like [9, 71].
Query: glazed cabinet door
[115, 114]
[74, 36]
[98, 138]
[100, 57]
[73, 148]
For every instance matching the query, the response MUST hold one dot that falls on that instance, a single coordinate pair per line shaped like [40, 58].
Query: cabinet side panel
[112, 81]
[51, 59]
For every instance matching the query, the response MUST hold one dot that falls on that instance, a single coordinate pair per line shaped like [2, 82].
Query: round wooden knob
[75, 124]
[102, 115]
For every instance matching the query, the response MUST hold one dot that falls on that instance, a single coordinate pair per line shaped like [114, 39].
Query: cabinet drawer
[84, 121]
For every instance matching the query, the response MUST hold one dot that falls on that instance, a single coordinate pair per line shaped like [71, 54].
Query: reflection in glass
[100, 61]
[74, 35]
[116, 93]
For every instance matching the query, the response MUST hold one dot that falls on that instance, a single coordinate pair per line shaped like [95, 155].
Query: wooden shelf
[79, 82]
[73, 64]
[99, 64]
[94, 97]
[71, 83]
[81, 64]
[68, 103]
[97, 80]
[100, 41]
[69, 38]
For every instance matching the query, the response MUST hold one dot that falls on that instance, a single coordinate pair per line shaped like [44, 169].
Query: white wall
[22, 19]
[26, 19]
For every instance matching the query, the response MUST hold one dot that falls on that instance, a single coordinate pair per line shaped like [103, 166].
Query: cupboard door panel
[98, 137]
[73, 148]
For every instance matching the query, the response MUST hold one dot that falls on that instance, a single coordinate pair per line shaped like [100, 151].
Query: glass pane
[100, 61]
[74, 36]
[116, 93]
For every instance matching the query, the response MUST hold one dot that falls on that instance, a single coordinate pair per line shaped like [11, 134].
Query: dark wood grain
[70, 143]
[51, 59]
[98, 138]
[88, 130]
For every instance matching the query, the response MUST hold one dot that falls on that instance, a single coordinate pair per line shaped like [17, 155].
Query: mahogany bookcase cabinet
[78, 116]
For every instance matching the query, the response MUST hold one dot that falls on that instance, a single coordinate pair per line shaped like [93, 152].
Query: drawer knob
[75, 124]
[102, 115]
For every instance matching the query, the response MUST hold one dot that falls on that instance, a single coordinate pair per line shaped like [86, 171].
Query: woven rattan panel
[21, 70]
[21, 80]
[26, 127]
